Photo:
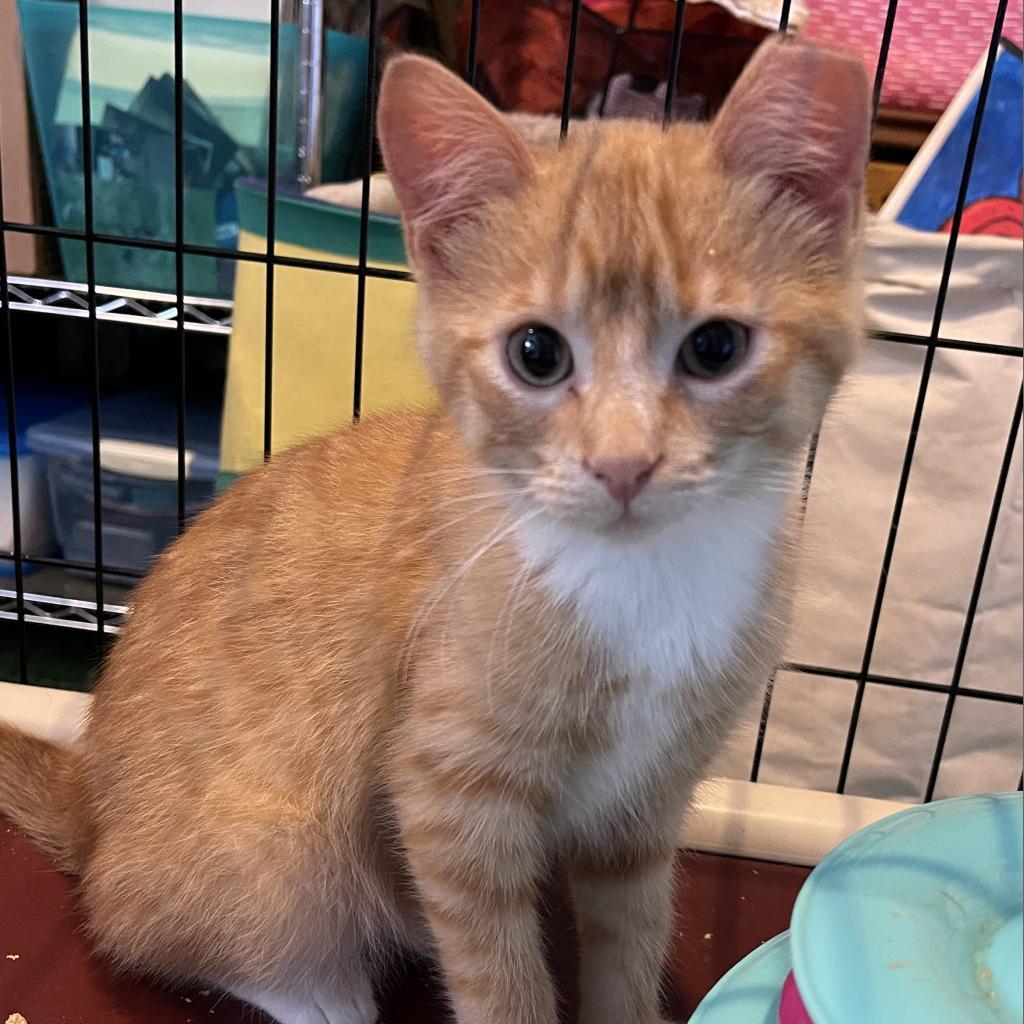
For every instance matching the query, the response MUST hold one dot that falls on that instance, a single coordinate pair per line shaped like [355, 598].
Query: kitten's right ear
[448, 152]
[799, 119]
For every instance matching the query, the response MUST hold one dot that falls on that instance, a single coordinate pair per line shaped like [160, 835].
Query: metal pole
[310, 106]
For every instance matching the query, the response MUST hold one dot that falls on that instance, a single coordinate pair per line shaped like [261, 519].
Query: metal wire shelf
[69, 612]
[119, 305]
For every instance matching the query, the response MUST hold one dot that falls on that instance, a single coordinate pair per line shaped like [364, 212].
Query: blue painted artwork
[926, 198]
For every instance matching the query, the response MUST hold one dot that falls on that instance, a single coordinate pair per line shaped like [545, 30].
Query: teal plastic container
[749, 993]
[918, 919]
[227, 65]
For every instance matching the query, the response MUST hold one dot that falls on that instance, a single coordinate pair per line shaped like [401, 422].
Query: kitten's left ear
[799, 117]
[448, 152]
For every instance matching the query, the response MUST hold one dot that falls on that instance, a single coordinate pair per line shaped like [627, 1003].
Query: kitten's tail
[40, 792]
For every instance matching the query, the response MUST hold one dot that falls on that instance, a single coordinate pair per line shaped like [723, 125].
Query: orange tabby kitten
[376, 687]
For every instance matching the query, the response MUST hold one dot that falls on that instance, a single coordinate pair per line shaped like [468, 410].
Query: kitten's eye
[539, 355]
[713, 349]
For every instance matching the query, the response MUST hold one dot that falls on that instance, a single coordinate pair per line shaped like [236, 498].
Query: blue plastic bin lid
[138, 437]
[33, 404]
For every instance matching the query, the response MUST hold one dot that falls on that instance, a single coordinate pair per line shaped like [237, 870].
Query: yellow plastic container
[314, 329]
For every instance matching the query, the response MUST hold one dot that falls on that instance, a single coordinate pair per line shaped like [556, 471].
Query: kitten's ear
[448, 152]
[800, 117]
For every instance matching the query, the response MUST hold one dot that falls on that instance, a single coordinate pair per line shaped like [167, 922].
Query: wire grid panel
[95, 304]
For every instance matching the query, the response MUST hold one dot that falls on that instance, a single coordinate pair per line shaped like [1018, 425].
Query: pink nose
[624, 476]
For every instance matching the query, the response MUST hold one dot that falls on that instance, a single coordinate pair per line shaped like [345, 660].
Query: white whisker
[447, 582]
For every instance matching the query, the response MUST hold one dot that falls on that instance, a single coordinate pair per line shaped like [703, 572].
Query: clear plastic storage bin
[139, 474]
[32, 405]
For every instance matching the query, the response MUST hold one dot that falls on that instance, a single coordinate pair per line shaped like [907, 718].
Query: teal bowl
[749, 993]
[917, 919]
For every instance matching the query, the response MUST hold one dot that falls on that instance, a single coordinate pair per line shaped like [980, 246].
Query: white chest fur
[666, 611]
[667, 608]
[642, 732]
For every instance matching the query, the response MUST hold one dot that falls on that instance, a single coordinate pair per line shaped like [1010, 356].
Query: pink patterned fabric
[935, 43]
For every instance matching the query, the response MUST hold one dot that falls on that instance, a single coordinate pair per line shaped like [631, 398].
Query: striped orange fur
[375, 689]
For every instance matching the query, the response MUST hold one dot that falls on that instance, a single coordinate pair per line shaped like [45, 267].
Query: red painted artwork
[993, 215]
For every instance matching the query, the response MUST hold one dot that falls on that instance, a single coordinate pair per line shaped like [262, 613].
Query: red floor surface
[726, 907]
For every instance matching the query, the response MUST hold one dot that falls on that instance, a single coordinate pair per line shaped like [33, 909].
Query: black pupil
[714, 345]
[541, 352]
